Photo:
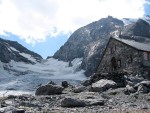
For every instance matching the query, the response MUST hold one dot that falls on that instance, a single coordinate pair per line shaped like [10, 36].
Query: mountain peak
[88, 42]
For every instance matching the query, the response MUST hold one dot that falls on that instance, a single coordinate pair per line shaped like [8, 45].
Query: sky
[43, 26]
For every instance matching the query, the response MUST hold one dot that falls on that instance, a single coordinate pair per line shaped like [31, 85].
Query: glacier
[20, 78]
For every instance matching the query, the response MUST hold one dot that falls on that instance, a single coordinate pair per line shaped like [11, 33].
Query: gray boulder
[72, 102]
[49, 90]
[79, 89]
[103, 85]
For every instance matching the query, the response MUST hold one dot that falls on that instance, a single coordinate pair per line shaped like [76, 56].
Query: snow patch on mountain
[12, 48]
[29, 57]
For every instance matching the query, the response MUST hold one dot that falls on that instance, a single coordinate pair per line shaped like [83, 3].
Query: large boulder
[49, 89]
[83, 99]
[103, 85]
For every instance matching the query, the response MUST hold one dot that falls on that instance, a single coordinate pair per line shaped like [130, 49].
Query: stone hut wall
[120, 57]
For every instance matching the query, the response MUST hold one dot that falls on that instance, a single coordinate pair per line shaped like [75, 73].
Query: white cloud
[33, 20]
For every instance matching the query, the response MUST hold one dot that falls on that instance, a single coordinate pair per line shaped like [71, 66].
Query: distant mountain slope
[139, 28]
[89, 42]
[11, 50]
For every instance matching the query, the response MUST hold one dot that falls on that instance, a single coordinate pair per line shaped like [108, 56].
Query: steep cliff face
[11, 50]
[89, 43]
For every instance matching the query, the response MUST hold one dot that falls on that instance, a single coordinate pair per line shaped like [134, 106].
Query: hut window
[113, 49]
[146, 56]
[119, 63]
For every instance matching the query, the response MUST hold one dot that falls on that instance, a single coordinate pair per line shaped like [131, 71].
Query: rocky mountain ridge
[12, 50]
[89, 42]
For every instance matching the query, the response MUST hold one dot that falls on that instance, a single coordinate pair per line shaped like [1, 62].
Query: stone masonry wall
[125, 57]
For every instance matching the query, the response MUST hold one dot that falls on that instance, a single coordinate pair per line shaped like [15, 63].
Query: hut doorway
[113, 64]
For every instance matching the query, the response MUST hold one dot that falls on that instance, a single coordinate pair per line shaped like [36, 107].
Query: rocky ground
[102, 96]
